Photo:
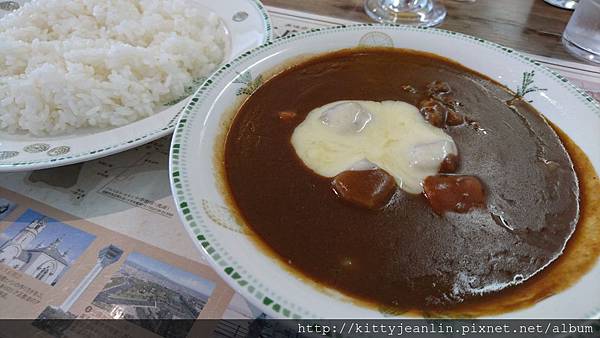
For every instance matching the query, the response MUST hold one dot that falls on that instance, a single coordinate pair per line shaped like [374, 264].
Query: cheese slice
[391, 135]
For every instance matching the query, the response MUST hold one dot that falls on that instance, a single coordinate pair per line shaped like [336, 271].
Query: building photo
[42, 247]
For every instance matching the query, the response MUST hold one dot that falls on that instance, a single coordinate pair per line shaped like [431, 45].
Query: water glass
[582, 35]
[407, 12]
[565, 4]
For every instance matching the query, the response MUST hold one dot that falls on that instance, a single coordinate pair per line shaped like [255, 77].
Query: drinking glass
[582, 35]
[409, 12]
[566, 4]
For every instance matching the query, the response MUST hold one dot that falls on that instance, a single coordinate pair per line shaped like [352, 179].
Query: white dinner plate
[248, 26]
[258, 276]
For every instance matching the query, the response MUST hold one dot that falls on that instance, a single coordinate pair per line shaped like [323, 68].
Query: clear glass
[566, 4]
[407, 12]
[582, 35]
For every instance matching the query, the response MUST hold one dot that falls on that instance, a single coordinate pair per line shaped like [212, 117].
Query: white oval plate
[258, 276]
[248, 26]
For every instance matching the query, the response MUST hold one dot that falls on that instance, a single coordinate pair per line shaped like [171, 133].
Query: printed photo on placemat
[42, 247]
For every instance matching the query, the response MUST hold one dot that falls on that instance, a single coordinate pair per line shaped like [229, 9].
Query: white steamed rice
[68, 64]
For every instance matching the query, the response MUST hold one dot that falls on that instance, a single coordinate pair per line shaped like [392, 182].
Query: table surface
[531, 26]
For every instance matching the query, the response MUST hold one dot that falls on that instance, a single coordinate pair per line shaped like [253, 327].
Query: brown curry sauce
[406, 257]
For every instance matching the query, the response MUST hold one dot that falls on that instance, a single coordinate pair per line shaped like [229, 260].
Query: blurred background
[533, 26]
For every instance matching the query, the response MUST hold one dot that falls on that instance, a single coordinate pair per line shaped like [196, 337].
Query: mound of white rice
[67, 64]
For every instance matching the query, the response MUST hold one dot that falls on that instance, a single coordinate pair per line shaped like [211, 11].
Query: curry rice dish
[498, 206]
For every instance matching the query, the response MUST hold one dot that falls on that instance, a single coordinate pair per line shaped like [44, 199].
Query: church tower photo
[41, 247]
[13, 248]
